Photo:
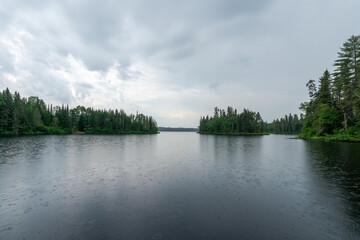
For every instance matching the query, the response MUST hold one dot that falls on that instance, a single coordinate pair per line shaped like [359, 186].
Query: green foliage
[231, 123]
[308, 132]
[350, 135]
[328, 119]
[29, 116]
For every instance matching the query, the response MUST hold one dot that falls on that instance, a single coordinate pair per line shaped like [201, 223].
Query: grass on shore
[334, 138]
[350, 135]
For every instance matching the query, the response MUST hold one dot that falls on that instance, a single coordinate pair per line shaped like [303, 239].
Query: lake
[177, 185]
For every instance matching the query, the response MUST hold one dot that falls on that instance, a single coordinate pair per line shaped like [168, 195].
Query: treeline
[177, 129]
[232, 122]
[19, 116]
[334, 105]
[290, 124]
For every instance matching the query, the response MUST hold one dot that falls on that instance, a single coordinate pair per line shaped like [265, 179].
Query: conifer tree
[347, 79]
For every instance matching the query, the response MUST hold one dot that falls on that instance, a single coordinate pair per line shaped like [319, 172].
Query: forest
[333, 109]
[27, 116]
[230, 122]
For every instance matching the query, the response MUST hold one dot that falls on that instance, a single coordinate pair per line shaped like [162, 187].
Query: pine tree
[3, 113]
[347, 80]
[324, 95]
[9, 109]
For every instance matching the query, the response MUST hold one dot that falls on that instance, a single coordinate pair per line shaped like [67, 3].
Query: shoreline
[77, 133]
[235, 134]
[333, 138]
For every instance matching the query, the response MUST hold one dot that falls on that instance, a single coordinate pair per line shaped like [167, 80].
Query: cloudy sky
[174, 60]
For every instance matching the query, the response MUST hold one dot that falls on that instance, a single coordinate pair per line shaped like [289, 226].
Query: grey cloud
[196, 12]
[94, 32]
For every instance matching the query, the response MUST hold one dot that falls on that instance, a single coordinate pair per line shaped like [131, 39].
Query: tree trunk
[345, 122]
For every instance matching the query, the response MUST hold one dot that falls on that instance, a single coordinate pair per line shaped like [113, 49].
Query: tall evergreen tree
[9, 109]
[3, 113]
[347, 79]
[324, 95]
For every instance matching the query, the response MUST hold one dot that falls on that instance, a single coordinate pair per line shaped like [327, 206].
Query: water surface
[178, 186]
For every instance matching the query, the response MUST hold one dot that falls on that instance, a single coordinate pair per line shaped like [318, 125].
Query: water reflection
[339, 165]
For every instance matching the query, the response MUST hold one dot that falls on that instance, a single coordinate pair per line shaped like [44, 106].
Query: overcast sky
[174, 60]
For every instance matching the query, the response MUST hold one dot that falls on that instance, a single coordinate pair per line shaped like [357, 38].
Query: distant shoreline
[235, 134]
[177, 129]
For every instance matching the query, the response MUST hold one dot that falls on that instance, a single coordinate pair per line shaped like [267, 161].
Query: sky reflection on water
[178, 186]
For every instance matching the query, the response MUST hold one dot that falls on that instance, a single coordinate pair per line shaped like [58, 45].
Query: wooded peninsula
[31, 116]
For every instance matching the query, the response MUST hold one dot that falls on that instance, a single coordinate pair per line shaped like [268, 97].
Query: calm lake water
[178, 186]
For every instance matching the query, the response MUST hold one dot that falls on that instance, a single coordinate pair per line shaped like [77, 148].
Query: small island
[230, 122]
[31, 116]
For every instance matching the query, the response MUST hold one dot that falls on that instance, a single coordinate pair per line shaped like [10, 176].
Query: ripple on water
[177, 186]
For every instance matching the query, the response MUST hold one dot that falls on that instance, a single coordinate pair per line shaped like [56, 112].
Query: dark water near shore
[178, 186]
